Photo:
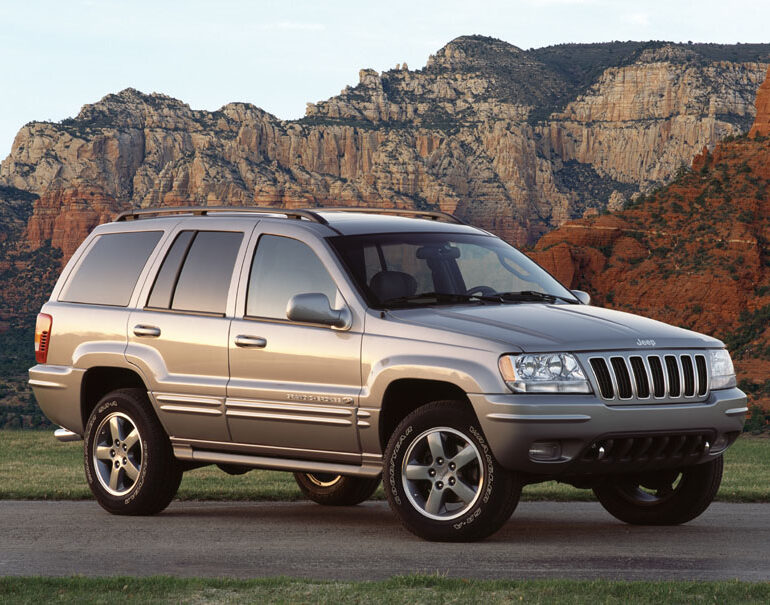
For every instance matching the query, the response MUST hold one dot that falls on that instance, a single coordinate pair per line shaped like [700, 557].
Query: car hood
[556, 327]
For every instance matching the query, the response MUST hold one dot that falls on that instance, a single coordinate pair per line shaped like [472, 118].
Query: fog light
[721, 443]
[545, 450]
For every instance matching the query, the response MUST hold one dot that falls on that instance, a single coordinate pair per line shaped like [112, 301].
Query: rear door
[293, 386]
[179, 338]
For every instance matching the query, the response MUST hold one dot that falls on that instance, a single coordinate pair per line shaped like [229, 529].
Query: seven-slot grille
[650, 376]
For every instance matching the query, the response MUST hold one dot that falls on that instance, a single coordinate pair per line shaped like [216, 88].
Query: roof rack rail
[131, 215]
[311, 215]
[434, 215]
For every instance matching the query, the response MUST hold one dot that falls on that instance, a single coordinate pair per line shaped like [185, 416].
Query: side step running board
[185, 452]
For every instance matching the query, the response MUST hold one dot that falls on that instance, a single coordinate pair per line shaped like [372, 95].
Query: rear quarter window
[108, 273]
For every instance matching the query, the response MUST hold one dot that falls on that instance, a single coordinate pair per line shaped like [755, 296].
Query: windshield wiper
[526, 296]
[438, 296]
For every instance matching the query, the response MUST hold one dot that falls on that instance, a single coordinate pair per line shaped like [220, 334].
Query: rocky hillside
[515, 141]
[695, 253]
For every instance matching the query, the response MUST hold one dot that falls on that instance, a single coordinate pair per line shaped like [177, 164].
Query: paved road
[573, 540]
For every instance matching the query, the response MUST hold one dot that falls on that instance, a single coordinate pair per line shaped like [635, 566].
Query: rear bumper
[581, 423]
[57, 390]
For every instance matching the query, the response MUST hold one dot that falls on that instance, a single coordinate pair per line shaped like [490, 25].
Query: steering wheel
[481, 290]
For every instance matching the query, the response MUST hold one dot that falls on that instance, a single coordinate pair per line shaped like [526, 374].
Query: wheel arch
[404, 395]
[100, 380]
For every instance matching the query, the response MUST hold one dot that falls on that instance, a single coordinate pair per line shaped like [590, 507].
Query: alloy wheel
[442, 473]
[117, 454]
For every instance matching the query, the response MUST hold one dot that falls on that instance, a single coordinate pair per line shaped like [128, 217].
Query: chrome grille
[628, 377]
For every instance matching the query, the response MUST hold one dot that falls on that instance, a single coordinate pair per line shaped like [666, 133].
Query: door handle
[255, 342]
[141, 330]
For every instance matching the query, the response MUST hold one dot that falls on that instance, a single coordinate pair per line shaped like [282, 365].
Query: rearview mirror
[315, 308]
[583, 297]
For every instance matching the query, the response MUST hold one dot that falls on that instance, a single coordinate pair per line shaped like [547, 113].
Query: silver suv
[346, 345]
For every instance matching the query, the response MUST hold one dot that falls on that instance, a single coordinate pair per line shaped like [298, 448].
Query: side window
[283, 267]
[196, 273]
[108, 273]
[163, 289]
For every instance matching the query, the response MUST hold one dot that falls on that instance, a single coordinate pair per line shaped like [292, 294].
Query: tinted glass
[394, 266]
[283, 267]
[108, 273]
[163, 289]
[205, 277]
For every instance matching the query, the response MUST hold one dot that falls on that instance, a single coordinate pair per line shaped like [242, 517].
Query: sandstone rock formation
[761, 125]
[515, 141]
[695, 253]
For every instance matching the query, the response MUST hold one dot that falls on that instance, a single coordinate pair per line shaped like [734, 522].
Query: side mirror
[583, 297]
[314, 308]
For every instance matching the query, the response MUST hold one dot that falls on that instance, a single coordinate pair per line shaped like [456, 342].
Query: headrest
[392, 284]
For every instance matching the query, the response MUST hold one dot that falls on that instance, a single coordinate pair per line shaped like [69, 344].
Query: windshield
[412, 269]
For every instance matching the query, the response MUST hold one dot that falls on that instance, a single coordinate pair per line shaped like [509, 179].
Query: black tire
[129, 462]
[454, 498]
[662, 497]
[336, 490]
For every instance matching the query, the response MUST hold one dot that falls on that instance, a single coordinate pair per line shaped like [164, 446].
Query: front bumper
[578, 423]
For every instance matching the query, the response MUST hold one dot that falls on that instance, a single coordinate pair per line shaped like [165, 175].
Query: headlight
[722, 371]
[543, 373]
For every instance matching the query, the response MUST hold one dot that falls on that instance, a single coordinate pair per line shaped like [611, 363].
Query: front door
[293, 387]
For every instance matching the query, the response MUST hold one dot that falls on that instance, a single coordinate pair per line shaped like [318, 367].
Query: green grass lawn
[33, 465]
[404, 589]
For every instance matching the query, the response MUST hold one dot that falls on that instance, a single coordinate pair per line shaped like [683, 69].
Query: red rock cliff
[695, 253]
[761, 125]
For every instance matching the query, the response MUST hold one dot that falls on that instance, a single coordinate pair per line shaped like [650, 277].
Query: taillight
[42, 336]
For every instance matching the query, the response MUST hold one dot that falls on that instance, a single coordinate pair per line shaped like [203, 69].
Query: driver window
[283, 267]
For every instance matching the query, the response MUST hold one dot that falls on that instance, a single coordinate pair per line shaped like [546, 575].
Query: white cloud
[636, 19]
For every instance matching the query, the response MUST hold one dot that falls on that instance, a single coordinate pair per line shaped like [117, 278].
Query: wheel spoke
[463, 491]
[131, 470]
[114, 477]
[417, 472]
[464, 456]
[436, 446]
[103, 452]
[433, 503]
[131, 439]
[114, 429]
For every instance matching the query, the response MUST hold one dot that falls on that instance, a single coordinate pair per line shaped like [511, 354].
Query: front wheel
[129, 462]
[441, 478]
[336, 490]
[668, 497]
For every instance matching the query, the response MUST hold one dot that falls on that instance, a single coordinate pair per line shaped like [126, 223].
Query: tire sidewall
[348, 491]
[692, 497]
[460, 528]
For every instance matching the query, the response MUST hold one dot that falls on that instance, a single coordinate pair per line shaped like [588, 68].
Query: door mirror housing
[315, 308]
[583, 297]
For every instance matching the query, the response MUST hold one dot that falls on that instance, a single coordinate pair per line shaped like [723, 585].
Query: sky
[57, 55]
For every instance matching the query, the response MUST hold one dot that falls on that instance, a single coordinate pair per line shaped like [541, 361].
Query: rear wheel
[336, 490]
[129, 461]
[668, 497]
[441, 478]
